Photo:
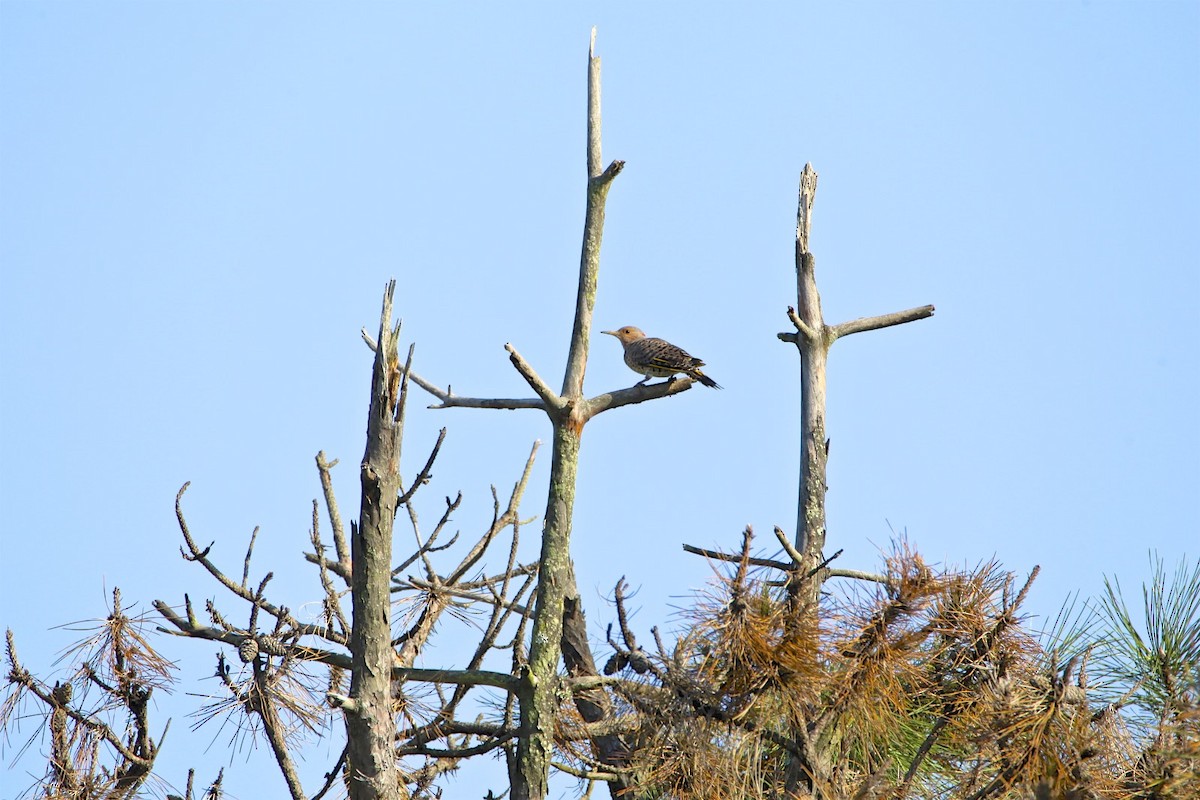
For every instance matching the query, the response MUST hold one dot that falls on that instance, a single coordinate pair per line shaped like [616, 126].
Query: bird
[656, 358]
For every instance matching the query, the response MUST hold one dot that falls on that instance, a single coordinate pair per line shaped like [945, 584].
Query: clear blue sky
[200, 205]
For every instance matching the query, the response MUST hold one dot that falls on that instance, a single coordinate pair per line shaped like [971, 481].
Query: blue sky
[200, 205]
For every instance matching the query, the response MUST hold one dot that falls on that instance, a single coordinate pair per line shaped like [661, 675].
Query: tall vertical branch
[813, 338]
[814, 351]
[593, 231]
[556, 578]
[369, 725]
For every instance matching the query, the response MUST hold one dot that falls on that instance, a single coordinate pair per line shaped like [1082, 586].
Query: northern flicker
[656, 358]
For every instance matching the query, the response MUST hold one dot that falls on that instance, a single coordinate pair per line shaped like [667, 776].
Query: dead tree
[403, 726]
[813, 338]
[925, 684]
[559, 628]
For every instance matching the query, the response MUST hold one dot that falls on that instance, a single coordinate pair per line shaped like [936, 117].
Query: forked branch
[814, 338]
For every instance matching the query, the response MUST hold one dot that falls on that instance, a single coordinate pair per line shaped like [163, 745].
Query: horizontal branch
[341, 570]
[441, 727]
[454, 591]
[193, 630]
[611, 171]
[858, 575]
[636, 394]
[459, 677]
[450, 400]
[586, 774]
[517, 571]
[614, 726]
[736, 558]
[883, 321]
[503, 403]
[784, 566]
[457, 752]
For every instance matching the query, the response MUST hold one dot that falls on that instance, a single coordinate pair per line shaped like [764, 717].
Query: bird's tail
[707, 381]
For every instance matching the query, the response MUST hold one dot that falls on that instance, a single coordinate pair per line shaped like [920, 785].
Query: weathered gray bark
[559, 628]
[370, 726]
[568, 414]
[594, 705]
[813, 338]
[814, 349]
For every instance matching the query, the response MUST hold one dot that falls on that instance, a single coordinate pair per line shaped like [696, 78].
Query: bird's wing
[665, 355]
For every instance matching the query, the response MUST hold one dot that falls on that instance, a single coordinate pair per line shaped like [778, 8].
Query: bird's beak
[610, 333]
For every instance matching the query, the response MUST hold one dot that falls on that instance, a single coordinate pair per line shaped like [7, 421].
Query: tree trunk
[370, 726]
[556, 577]
[814, 350]
[539, 700]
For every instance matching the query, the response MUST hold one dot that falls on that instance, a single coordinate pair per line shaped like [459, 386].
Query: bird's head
[627, 334]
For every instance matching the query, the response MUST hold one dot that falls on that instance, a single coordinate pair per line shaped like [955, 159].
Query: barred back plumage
[657, 358]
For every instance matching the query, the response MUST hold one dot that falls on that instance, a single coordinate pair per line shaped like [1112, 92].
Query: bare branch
[332, 603]
[464, 752]
[801, 327]
[249, 554]
[825, 563]
[504, 403]
[515, 571]
[448, 399]
[633, 653]
[635, 394]
[423, 477]
[736, 558]
[585, 774]
[193, 630]
[455, 591]
[341, 549]
[194, 553]
[547, 398]
[274, 729]
[534, 380]
[370, 340]
[882, 321]
[509, 517]
[331, 776]
[594, 158]
[788, 547]
[859, 575]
